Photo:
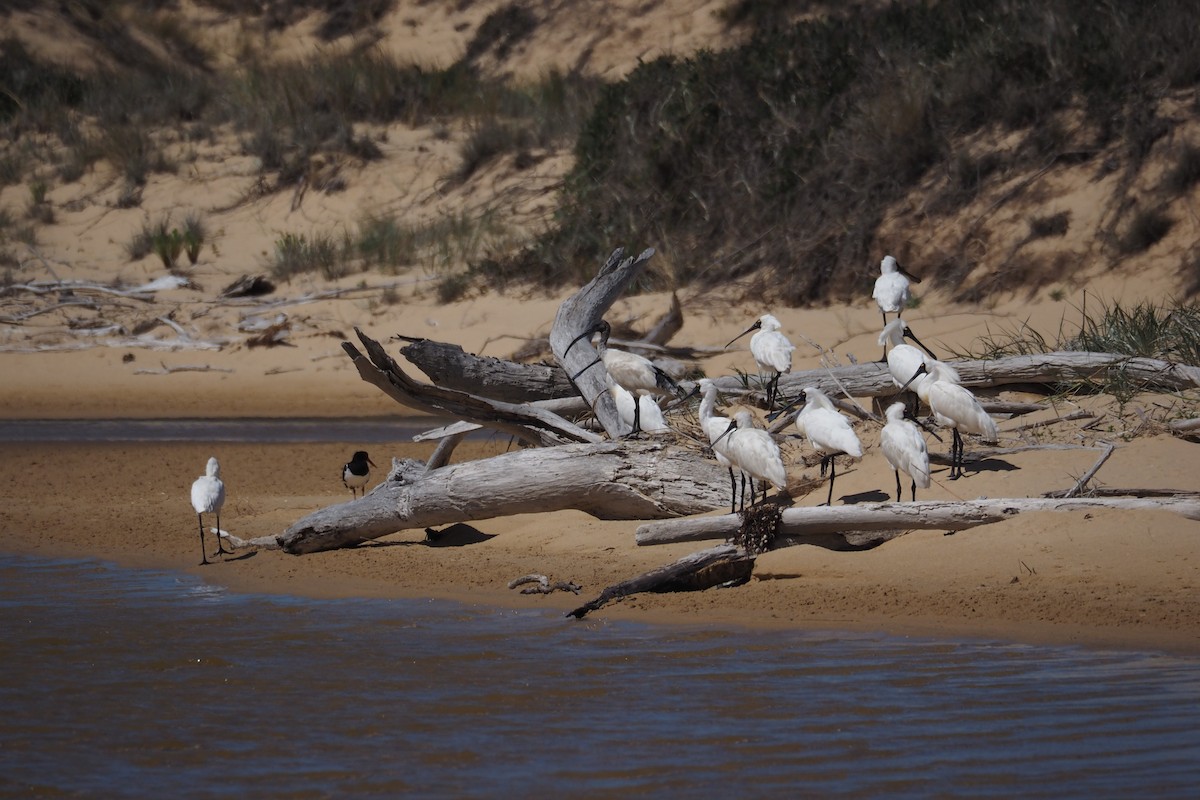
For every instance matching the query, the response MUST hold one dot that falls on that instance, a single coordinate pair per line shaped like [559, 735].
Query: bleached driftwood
[527, 422]
[581, 312]
[165, 370]
[891, 519]
[609, 480]
[1185, 428]
[450, 366]
[1046, 369]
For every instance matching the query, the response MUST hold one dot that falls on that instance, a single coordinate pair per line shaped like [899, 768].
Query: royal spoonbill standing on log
[357, 471]
[208, 495]
[632, 372]
[642, 406]
[716, 426]
[891, 288]
[828, 432]
[755, 453]
[772, 353]
[903, 359]
[904, 448]
[954, 407]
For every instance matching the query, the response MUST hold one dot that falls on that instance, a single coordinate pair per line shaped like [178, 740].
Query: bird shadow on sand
[457, 535]
[988, 464]
[873, 496]
[241, 557]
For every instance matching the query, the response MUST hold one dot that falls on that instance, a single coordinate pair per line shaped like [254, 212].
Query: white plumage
[756, 453]
[772, 352]
[891, 291]
[632, 372]
[208, 496]
[651, 416]
[955, 407]
[828, 432]
[716, 427]
[904, 448]
[903, 360]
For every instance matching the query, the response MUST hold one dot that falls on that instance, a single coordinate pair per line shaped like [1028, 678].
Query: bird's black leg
[203, 552]
[220, 541]
[732, 492]
[898, 490]
[832, 476]
[637, 416]
[956, 454]
[824, 465]
[914, 489]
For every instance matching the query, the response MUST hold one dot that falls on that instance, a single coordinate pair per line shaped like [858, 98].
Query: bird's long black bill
[751, 329]
[732, 427]
[920, 371]
[908, 274]
[774, 415]
[586, 334]
[909, 335]
[585, 369]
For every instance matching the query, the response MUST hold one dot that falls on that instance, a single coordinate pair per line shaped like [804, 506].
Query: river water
[120, 683]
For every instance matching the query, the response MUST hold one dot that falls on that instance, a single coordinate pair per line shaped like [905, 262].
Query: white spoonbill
[891, 287]
[772, 353]
[904, 448]
[716, 427]
[208, 495]
[357, 471]
[634, 373]
[827, 430]
[643, 407]
[755, 453]
[903, 359]
[954, 407]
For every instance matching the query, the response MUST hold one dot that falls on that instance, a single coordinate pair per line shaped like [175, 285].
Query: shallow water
[121, 683]
[366, 430]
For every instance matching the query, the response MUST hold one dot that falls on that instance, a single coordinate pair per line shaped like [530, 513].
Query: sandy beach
[1098, 578]
[1109, 578]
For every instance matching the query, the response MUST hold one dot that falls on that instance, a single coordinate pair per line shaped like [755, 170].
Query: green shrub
[296, 254]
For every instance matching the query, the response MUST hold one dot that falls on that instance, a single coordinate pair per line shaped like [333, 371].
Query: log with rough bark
[524, 421]
[451, 367]
[879, 522]
[1045, 369]
[723, 564]
[609, 480]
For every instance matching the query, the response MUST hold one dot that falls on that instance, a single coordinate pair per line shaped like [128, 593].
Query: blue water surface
[129, 683]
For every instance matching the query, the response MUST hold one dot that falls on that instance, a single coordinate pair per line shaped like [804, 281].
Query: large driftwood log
[893, 519]
[1046, 369]
[609, 480]
[527, 422]
[581, 312]
[451, 367]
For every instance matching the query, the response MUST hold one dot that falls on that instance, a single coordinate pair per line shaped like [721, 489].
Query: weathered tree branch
[527, 422]
[697, 571]
[888, 520]
[1060, 367]
[581, 312]
[609, 480]
[451, 367]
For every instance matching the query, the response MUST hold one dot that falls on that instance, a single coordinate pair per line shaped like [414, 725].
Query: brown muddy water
[121, 683]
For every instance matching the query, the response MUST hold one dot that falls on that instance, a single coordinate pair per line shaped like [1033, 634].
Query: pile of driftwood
[665, 482]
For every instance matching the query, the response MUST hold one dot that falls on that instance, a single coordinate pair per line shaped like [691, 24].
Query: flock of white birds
[737, 443]
[635, 383]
